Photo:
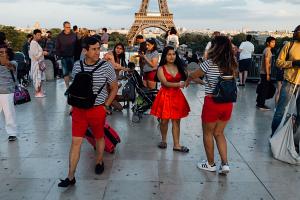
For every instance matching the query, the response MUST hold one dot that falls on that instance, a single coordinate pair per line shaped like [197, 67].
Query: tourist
[65, 50]
[7, 88]
[215, 116]
[170, 103]
[289, 60]
[49, 46]
[104, 39]
[117, 58]
[36, 55]
[265, 74]
[93, 117]
[25, 49]
[172, 39]
[151, 58]
[142, 50]
[246, 50]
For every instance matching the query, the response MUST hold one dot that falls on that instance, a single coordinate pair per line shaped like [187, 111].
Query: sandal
[182, 149]
[162, 145]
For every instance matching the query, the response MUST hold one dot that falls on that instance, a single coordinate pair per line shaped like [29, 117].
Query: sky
[191, 14]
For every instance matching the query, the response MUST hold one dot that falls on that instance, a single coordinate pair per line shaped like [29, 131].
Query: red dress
[170, 103]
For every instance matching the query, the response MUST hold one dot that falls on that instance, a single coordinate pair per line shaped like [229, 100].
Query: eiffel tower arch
[144, 19]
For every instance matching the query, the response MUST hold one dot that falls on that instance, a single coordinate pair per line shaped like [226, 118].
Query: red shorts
[84, 118]
[150, 76]
[213, 111]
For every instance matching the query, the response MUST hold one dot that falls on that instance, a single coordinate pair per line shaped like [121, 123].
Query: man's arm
[281, 60]
[113, 86]
[268, 60]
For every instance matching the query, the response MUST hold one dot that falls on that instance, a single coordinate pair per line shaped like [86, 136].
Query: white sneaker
[224, 169]
[205, 166]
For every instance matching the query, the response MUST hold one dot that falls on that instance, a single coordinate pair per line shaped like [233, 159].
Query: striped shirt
[212, 73]
[103, 75]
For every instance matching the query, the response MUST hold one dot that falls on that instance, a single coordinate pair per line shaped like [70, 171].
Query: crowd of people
[80, 52]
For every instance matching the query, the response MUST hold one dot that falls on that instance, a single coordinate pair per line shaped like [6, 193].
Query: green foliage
[55, 32]
[115, 38]
[15, 38]
[195, 41]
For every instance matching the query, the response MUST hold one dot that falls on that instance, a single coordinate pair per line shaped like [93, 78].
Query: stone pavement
[30, 168]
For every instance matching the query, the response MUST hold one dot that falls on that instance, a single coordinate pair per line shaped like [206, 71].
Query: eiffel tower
[144, 19]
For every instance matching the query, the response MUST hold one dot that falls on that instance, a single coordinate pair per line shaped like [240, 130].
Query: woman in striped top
[215, 116]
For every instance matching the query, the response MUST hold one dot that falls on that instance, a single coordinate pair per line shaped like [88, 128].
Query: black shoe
[66, 182]
[263, 108]
[12, 138]
[66, 93]
[99, 168]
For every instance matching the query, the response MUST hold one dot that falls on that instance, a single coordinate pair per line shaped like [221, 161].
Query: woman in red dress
[170, 103]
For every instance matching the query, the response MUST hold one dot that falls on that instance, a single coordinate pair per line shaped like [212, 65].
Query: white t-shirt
[208, 46]
[173, 40]
[247, 48]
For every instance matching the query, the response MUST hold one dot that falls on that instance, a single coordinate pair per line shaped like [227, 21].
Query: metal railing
[254, 71]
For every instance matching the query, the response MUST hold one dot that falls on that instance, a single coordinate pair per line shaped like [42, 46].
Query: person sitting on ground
[117, 59]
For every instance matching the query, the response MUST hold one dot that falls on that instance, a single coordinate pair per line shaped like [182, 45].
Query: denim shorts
[67, 65]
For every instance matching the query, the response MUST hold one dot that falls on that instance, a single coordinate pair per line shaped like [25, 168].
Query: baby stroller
[22, 69]
[145, 98]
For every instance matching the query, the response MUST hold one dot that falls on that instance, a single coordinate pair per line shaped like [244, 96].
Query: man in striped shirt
[93, 117]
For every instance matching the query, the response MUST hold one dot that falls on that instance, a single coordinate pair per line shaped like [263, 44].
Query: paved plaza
[30, 168]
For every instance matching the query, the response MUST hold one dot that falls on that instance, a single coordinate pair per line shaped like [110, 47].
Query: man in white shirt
[246, 50]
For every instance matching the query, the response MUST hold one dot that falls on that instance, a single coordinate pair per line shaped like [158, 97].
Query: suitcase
[111, 138]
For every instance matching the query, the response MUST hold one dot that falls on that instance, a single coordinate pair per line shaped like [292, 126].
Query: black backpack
[128, 91]
[80, 92]
[225, 90]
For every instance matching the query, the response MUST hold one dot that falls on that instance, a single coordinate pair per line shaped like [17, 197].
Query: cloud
[226, 14]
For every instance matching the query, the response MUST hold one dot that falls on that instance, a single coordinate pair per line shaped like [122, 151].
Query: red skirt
[170, 103]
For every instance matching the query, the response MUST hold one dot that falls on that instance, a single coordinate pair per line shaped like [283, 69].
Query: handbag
[42, 65]
[225, 90]
[21, 94]
[271, 91]
[283, 141]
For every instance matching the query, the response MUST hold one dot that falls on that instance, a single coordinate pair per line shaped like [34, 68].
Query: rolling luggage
[111, 138]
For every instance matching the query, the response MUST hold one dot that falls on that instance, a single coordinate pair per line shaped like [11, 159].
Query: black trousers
[261, 96]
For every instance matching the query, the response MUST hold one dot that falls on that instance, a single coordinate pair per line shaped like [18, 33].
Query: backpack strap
[81, 66]
[288, 53]
[13, 76]
[98, 66]
[102, 87]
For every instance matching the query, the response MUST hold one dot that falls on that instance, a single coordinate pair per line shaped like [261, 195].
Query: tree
[196, 41]
[115, 38]
[55, 32]
[14, 37]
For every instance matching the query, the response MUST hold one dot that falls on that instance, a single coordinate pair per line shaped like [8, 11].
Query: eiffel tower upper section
[144, 19]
